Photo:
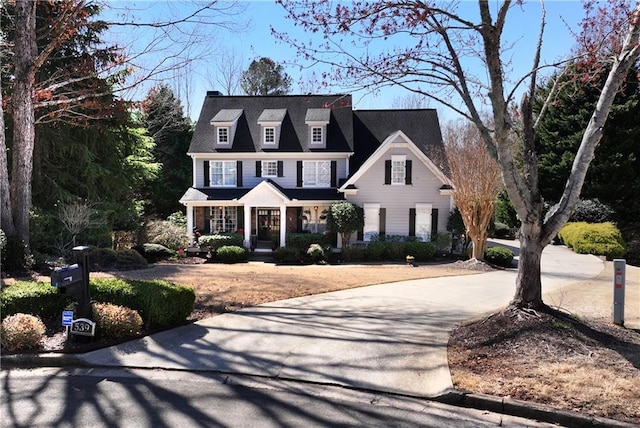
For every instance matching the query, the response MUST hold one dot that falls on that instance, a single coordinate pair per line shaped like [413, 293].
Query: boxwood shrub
[21, 331]
[231, 254]
[154, 252]
[304, 240]
[602, 239]
[499, 256]
[159, 303]
[218, 240]
[421, 251]
[35, 298]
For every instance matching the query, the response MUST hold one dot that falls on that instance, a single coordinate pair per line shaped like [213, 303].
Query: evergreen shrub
[154, 252]
[159, 303]
[218, 240]
[602, 239]
[129, 259]
[499, 256]
[35, 298]
[421, 251]
[231, 254]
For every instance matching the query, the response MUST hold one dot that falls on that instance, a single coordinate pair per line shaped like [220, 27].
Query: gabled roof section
[294, 129]
[421, 126]
[265, 193]
[397, 137]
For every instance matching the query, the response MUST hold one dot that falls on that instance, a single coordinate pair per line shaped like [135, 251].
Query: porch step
[260, 255]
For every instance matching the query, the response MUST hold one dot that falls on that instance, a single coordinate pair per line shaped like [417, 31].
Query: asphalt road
[49, 397]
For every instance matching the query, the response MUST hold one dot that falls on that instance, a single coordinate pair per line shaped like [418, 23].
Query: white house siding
[399, 199]
[249, 179]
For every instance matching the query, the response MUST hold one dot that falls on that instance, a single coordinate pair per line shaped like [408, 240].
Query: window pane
[223, 135]
[324, 173]
[316, 134]
[397, 172]
[230, 174]
[269, 135]
[216, 173]
[269, 168]
[309, 175]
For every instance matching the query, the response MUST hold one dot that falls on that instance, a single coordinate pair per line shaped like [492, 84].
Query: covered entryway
[268, 223]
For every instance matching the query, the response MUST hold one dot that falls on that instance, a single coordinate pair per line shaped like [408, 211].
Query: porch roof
[235, 193]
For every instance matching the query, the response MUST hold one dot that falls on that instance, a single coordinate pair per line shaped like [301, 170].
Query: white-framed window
[269, 133]
[317, 135]
[224, 219]
[398, 169]
[270, 168]
[423, 221]
[223, 135]
[223, 173]
[316, 173]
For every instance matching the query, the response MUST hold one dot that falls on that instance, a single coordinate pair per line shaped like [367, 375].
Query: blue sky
[255, 40]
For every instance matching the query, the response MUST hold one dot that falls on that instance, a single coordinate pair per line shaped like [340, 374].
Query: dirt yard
[227, 287]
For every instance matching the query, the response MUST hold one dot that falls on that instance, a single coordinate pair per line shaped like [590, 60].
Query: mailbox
[68, 280]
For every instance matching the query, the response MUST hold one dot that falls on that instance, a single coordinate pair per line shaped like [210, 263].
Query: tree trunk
[6, 217]
[528, 282]
[24, 117]
[479, 246]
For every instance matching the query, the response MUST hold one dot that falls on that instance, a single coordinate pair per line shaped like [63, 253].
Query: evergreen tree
[171, 130]
[614, 175]
[265, 77]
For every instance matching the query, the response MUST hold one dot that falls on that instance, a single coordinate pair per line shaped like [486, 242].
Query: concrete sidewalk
[389, 338]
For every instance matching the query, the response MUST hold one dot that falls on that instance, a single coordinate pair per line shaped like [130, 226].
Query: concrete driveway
[389, 337]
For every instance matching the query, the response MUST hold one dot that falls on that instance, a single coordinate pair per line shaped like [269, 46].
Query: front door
[268, 224]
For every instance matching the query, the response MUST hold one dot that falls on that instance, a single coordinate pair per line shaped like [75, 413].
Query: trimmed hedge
[603, 239]
[160, 303]
[499, 256]
[116, 322]
[220, 240]
[35, 298]
[154, 252]
[303, 241]
[421, 251]
[231, 254]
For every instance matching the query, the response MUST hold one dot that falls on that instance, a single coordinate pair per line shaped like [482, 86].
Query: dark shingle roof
[294, 131]
[231, 193]
[372, 127]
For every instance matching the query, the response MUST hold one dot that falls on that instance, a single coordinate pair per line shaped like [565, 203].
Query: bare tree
[476, 178]
[59, 92]
[228, 72]
[448, 45]
[410, 101]
[78, 217]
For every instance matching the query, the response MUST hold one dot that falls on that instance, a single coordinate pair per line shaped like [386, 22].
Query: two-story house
[271, 165]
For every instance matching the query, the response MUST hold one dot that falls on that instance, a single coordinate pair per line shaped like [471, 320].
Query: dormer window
[223, 135]
[317, 135]
[270, 121]
[269, 134]
[225, 123]
[317, 120]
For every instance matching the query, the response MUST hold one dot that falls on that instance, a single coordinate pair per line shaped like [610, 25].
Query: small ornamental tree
[345, 218]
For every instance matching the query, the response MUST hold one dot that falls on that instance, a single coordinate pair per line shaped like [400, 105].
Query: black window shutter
[407, 171]
[280, 169]
[387, 172]
[207, 181]
[239, 173]
[334, 173]
[258, 168]
[207, 220]
[299, 175]
[382, 230]
[434, 222]
[412, 222]
[360, 235]
[240, 217]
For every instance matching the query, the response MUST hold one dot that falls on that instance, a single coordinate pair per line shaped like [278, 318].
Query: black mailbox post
[74, 281]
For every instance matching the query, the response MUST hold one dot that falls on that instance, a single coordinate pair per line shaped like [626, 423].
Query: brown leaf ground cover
[569, 357]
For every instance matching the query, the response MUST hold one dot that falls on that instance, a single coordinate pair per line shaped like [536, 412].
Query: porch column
[247, 225]
[283, 225]
[190, 236]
